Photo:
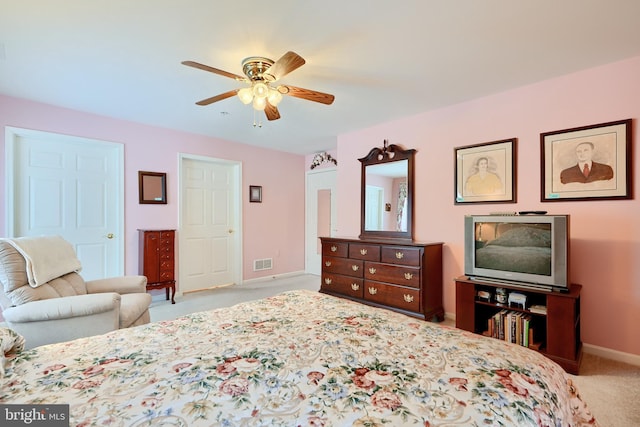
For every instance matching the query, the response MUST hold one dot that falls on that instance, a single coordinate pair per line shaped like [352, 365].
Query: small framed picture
[486, 173]
[587, 163]
[152, 188]
[255, 193]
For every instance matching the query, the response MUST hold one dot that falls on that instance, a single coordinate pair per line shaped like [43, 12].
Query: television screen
[522, 249]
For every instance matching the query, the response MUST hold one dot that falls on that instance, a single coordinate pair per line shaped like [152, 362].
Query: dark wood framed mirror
[152, 187]
[387, 189]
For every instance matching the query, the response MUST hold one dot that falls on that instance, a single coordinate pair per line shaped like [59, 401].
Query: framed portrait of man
[585, 163]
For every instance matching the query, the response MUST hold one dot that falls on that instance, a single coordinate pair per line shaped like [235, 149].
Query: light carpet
[610, 388]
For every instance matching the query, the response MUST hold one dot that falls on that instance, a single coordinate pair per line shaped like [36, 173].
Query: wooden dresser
[402, 276]
[157, 259]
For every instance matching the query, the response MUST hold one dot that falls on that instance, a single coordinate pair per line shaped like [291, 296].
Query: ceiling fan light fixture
[274, 97]
[259, 103]
[245, 95]
[260, 90]
[260, 74]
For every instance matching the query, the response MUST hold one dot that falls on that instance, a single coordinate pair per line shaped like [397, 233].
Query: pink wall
[605, 235]
[272, 229]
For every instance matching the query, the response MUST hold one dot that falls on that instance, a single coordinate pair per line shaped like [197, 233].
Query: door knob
[110, 236]
[230, 231]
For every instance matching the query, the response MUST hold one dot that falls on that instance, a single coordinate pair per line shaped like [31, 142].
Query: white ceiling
[381, 59]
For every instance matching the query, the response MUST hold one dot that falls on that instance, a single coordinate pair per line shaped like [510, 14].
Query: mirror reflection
[387, 193]
[386, 197]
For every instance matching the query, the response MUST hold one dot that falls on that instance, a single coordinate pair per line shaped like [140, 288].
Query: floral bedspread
[297, 359]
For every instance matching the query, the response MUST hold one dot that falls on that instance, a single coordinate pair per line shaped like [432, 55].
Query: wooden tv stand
[556, 334]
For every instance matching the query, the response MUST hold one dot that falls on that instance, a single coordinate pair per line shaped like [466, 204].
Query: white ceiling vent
[262, 264]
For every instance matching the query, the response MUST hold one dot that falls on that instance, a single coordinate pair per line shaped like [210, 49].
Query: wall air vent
[262, 264]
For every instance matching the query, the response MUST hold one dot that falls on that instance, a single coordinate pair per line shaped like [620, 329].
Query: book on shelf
[537, 308]
[511, 326]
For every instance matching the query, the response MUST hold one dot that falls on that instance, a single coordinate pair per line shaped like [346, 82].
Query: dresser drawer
[339, 249]
[395, 296]
[364, 252]
[347, 266]
[401, 255]
[345, 285]
[396, 274]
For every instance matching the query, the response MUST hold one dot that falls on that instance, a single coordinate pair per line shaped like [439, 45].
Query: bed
[300, 358]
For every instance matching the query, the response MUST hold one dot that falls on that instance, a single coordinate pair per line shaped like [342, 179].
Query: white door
[210, 252]
[71, 187]
[321, 213]
[373, 208]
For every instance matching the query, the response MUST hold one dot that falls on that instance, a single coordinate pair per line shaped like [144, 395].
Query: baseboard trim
[275, 276]
[607, 353]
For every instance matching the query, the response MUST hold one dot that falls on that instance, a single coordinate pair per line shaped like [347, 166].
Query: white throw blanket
[47, 257]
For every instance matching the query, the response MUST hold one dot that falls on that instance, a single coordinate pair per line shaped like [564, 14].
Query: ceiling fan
[261, 73]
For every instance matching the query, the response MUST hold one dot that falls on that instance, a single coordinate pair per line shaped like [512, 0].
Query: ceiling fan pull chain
[259, 123]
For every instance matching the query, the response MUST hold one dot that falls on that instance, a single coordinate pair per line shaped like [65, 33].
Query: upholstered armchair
[53, 303]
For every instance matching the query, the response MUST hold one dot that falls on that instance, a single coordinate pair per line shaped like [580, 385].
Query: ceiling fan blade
[271, 112]
[218, 97]
[287, 63]
[310, 95]
[213, 70]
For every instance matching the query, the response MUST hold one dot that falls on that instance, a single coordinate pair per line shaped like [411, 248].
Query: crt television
[526, 250]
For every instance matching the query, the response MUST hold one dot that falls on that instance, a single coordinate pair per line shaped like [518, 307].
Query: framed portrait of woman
[486, 173]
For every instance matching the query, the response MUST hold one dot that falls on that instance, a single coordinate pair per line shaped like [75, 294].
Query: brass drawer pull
[327, 263]
[408, 298]
[327, 281]
[363, 251]
[334, 248]
[372, 270]
[399, 255]
[355, 267]
[355, 286]
[373, 291]
[408, 276]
